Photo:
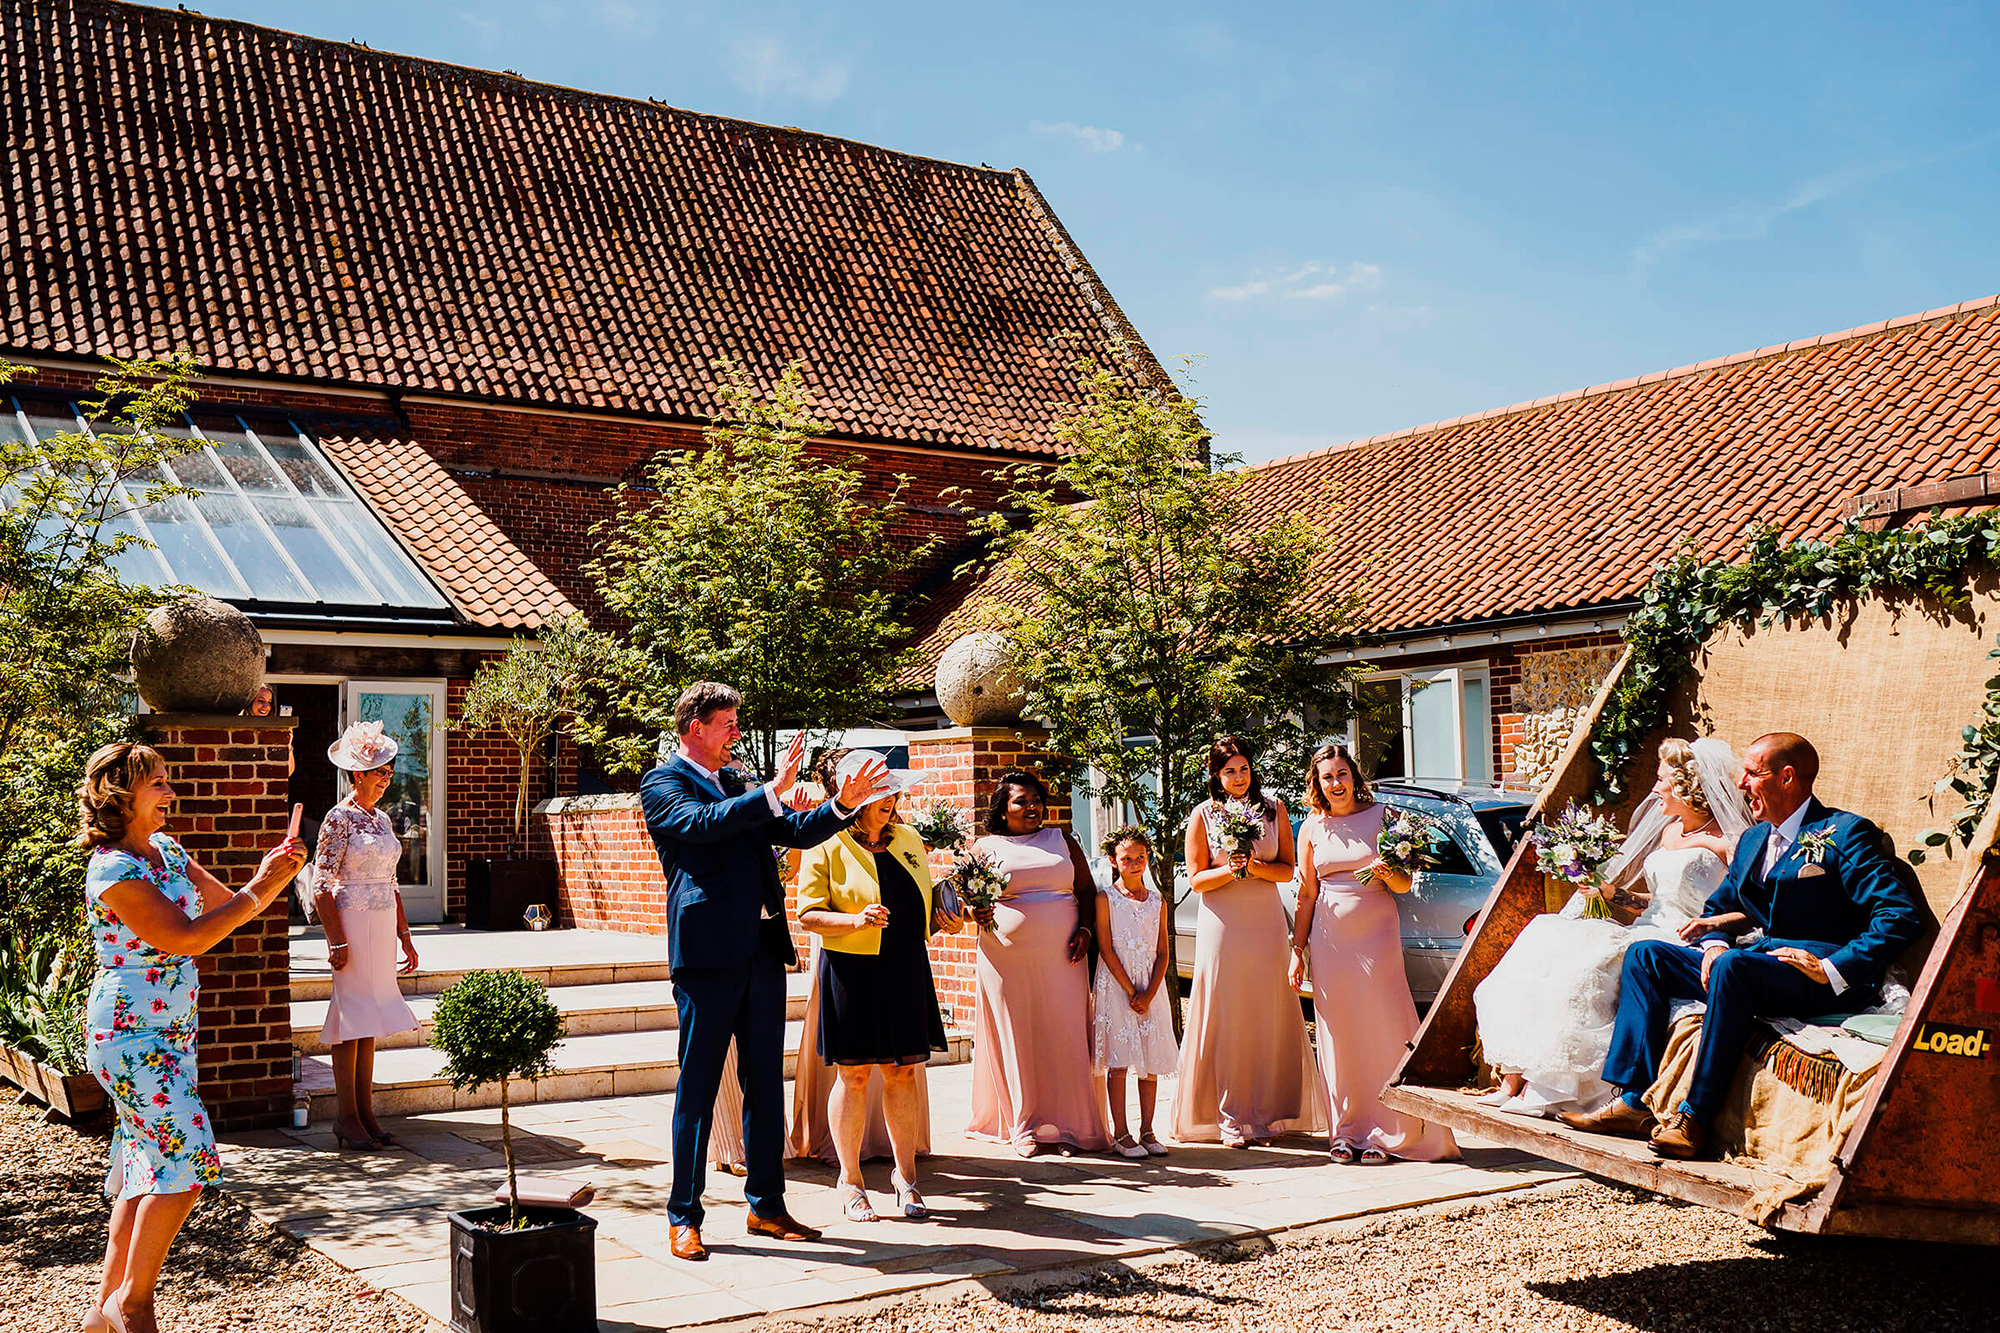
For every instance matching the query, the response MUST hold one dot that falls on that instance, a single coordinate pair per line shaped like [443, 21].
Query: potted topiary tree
[529, 693]
[513, 1269]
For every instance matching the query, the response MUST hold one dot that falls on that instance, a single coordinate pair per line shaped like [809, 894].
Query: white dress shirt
[770, 795]
[1782, 837]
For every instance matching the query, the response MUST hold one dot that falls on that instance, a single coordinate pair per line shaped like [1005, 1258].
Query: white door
[411, 711]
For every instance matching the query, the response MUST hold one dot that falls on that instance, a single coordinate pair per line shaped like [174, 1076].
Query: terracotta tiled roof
[313, 210]
[1569, 502]
[489, 579]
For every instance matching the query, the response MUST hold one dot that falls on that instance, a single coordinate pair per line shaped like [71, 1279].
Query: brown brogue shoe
[1615, 1118]
[1680, 1136]
[781, 1227]
[685, 1242]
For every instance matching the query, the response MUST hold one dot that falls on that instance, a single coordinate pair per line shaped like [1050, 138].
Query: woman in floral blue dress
[152, 911]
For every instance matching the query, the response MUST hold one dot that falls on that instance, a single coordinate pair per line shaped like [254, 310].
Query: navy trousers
[1742, 987]
[747, 1003]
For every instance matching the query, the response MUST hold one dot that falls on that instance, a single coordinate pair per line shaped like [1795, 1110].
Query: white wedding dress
[1546, 1010]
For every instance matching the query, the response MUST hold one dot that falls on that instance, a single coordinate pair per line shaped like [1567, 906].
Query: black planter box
[497, 892]
[540, 1280]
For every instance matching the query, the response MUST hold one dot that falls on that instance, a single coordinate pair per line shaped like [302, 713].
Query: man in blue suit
[728, 945]
[1806, 922]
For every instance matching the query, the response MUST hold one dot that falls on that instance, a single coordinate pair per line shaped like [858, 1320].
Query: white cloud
[1090, 136]
[761, 65]
[622, 17]
[1312, 281]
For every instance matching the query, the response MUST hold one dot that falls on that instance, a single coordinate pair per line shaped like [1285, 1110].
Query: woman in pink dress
[1348, 928]
[1246, 1070]
[1032, 1084]
[361, 909]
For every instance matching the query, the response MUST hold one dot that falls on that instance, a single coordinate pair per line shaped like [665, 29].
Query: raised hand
[874, 914]
[864, 786]
[788, 767]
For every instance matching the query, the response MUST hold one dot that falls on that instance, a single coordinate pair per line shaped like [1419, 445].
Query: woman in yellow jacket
[867, 894]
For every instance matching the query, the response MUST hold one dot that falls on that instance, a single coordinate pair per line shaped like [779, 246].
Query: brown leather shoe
[685, 1242]
[1680, 1136]
[781, 1227]
[1615, 1118]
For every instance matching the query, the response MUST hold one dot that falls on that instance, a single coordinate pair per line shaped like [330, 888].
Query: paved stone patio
[383, 1214]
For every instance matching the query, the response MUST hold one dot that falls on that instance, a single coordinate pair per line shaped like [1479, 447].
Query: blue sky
[1367, 217]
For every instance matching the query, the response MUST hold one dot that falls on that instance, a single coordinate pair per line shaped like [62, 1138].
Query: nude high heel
[114, 1318]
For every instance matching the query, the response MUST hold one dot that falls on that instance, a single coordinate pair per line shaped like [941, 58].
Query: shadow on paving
[1830, 1284]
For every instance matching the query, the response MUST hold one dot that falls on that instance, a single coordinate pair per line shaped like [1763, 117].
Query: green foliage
[492, 1027]
[535, 688]
[1970, 779]
[1688, 599]
[44, 990]
[41, 870]
[67, 619]
[1162, 608]
[756, 564]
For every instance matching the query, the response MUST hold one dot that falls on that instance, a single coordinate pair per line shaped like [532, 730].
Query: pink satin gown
[1031, 1074]
[1246, 1068]
[1363, 1013]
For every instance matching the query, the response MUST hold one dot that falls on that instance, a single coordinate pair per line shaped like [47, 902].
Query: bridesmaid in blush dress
[1032, 1082]
[1246, 1070]
[1349, 928]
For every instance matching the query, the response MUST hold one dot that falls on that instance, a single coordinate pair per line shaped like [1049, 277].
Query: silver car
[1484, 822]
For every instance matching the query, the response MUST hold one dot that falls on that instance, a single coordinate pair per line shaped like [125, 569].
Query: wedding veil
[1718, 768]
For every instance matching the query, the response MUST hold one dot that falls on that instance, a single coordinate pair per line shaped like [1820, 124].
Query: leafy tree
[492, 1027]
[67, 618]
[534, 689]
[1153, 611]
[753, 562]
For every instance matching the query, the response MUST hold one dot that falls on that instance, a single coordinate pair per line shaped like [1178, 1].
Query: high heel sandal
[1341, 1151]
[856, 1206]
[353, 1145]
[907, 1198]
[1373, 1156]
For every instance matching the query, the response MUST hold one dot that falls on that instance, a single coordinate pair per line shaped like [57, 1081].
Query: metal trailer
[1883, 690]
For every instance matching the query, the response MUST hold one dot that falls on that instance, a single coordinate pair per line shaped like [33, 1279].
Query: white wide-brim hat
[362, 747]
[900, 779]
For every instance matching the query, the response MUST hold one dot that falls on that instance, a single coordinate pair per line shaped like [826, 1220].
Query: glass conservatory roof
[272, 524]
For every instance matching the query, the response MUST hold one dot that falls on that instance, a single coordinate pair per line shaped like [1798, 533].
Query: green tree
[537, 687]
[1152, 610]
[492, 1027]
[68, 614]
[753, 562]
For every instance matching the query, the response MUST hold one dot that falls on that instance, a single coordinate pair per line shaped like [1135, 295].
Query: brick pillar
[230, 774]
[964, 763]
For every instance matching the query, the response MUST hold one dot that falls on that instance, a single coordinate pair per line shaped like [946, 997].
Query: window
[1425, 724]
[271, 520]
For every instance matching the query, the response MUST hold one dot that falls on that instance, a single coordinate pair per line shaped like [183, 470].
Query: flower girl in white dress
[1546, 1009]
[1130, 1027]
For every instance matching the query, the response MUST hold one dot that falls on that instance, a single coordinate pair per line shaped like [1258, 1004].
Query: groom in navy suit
[728, 945]
[1806, 922]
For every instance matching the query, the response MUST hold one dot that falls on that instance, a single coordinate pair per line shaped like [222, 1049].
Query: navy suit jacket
[721, 870]
[1848, 907]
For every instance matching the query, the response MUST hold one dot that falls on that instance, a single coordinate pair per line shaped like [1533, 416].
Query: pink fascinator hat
[362, 747]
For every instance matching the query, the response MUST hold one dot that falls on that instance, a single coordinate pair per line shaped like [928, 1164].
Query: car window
[1451, 858]
[1503, 825]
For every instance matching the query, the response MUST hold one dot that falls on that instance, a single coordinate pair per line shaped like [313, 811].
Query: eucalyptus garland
[1688, 599]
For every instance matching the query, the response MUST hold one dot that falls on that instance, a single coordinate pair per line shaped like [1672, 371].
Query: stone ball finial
[974, 687]
[198, 656]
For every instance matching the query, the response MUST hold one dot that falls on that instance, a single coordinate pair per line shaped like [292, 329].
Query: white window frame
[422, 903]
[1456, 674]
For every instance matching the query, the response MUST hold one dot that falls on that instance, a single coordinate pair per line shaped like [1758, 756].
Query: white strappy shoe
[907, 1198]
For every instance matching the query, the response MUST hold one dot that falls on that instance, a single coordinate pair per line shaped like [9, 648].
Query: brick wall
[230, 776]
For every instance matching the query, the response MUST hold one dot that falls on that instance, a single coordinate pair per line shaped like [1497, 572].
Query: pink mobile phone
[298, 813]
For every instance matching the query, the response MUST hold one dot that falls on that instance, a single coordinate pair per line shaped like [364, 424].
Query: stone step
[553, 957]
[588, 1010]
[317, 985]
[408, 1081]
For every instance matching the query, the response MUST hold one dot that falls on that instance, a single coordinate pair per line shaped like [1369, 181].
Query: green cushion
[1878, 1028]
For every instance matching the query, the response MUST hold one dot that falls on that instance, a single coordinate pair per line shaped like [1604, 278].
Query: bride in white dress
[1546, 1010]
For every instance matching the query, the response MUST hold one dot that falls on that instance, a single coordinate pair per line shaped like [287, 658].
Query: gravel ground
[1592, 1259]
[226, 1272]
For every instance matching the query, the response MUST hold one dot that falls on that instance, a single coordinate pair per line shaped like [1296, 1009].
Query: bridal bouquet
[942, 827]
[1577, 848]
[980, 882]
[1242, 825]
[1410, 840]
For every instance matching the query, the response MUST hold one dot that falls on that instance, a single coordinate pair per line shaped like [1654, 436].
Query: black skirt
[882, 1008]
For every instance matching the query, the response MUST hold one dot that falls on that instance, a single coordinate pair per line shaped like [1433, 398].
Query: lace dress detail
[1547, 1008]
[357, 858]
[1122, 1038]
